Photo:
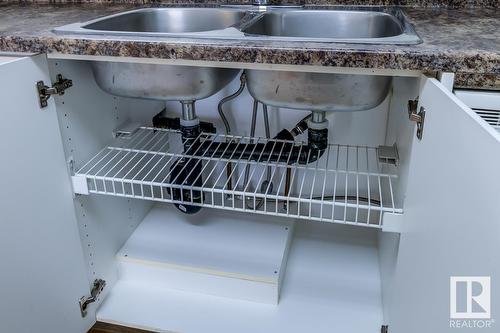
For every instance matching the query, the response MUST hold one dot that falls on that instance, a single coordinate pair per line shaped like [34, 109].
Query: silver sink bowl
[164, 22]
[339, 24]
[372, 26]
[318, 91]
[163, 82]
[169, 20]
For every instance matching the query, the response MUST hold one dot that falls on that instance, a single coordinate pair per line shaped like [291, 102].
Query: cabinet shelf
[347, 184]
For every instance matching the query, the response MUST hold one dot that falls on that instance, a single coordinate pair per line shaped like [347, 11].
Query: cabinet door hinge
[384, 329]
[58, 88]
[417, 116]
[84, 301]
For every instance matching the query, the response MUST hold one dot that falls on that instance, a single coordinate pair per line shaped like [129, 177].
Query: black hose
[301, 126]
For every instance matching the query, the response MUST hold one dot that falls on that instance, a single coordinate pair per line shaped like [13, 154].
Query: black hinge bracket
[58, 88]
[84, 301]
[417, 116]
[384, 329]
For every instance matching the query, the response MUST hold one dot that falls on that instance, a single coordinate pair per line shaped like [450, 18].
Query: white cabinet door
[452, 222]
[42, 272]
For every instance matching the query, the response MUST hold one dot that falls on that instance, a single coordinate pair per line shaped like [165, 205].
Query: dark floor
[110, 328]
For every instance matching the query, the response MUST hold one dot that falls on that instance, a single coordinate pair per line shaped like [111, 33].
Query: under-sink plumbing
[187, 171]
[317, 134]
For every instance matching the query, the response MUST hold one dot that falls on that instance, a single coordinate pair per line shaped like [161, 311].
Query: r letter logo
[470, 297]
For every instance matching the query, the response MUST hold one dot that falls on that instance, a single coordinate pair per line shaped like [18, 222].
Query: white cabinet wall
[54, 245]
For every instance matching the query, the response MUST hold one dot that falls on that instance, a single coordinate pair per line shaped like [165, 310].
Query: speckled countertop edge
[477, 81]
[450, 44]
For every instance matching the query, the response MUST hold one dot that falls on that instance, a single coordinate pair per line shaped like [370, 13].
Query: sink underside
[161, 82]
[318, 91]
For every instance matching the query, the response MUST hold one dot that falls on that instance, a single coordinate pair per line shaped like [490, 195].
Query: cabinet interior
[352, 279]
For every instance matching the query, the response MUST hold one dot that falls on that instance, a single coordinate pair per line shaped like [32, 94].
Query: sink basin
[319, 91]
[163, 22]
[348, 26]
[161, 82]
[169, 20]
[326, 24]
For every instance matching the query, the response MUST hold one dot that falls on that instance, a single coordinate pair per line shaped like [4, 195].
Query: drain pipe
[189, 112]
[187, 171]
[317, 133]
[300, 128]
[271, 151]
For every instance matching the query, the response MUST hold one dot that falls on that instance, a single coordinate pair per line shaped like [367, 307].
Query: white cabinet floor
[213, 252]
[332, 284]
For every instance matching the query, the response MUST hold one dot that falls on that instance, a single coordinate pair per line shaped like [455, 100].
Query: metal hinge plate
[58, 88]
[417, 116]
[97, 288]
[384, 329]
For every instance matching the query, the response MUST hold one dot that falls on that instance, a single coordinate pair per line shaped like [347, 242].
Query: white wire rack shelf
[347, 184]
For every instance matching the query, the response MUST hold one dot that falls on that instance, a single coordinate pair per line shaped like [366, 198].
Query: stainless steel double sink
[300, 90]
[372, 25]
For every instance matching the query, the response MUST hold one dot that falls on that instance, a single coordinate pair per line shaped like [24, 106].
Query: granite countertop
[454, 40]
